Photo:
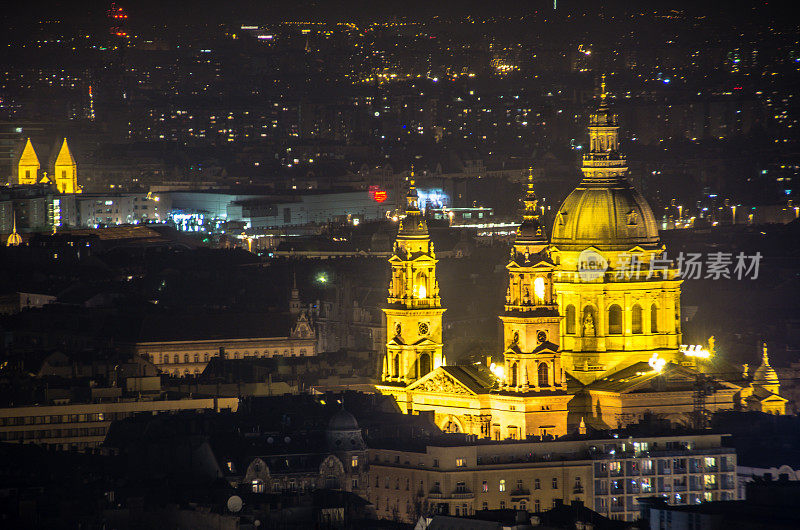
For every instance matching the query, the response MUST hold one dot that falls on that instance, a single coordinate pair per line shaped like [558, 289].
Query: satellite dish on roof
[235, 504]
[287, 440]
[270, 440]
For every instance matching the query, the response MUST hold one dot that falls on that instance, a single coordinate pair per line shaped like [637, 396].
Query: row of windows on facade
[43, 434]
[75, 418]
[330, 482]
[664, 466]
[59, 418]
[461, 487]
[287, 463]
[698, 482]
[459, 509]
[164, 358]
[614, 319]
[630, 502]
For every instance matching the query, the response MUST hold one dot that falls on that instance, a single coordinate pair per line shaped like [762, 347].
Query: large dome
[608, 216]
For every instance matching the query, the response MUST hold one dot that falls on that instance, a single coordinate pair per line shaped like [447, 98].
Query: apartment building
[84, 425]
[608, 475]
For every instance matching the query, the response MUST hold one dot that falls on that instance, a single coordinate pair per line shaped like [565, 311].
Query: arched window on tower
[654, 318]
[397, 365]
[614, 320]
[570, 319]
[636, 319]
[424, 364]
[543, 379]
[421, 285]
[514, 374]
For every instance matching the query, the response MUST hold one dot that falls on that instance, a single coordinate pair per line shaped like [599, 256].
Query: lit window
[461, 462]
[538, 288]
[502, 485]
[354, 461]
[485, 487]
[258, 486]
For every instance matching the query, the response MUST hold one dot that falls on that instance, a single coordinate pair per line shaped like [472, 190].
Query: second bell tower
[414, 311]
[531, 319]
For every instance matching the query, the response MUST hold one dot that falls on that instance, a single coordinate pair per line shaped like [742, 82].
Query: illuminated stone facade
[530, 397]
[591, 323]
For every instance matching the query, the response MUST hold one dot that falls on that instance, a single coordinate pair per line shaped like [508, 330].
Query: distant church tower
[65, 175]
[28, 166]
[14, 239]
[414, 312]
[531, 318]
[295, 305]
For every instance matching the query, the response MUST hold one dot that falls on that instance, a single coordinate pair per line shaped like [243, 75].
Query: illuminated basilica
[591, 322]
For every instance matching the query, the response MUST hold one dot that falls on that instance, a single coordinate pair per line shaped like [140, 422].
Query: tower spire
[412, 198]
[603, 93]
[530, 199]
[531, 231]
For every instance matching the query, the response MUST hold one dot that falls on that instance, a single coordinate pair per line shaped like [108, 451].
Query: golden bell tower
[531, 318]
[66, 171]
[414, 312]
[28, 165]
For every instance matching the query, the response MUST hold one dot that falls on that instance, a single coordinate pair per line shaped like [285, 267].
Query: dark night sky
[266, 10]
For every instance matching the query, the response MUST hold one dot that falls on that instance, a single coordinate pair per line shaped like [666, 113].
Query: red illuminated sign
[377, 194]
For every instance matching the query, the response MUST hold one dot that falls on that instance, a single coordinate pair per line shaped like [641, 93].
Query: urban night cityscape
[378, 265]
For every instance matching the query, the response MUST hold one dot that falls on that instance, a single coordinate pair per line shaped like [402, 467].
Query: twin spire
[412, 199]
[530, 199]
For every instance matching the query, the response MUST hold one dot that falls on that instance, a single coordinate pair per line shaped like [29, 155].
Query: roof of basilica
[640, 377]
[606, 216]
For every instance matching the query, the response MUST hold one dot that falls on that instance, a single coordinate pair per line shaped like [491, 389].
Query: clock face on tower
[423, 328]
[541, 336]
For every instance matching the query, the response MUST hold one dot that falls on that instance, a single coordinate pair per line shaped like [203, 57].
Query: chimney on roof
[221, 352]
